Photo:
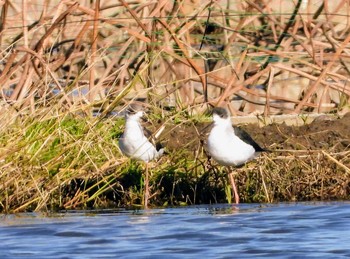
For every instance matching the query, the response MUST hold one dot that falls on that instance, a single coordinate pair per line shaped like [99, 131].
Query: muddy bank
[324, 133]
[309, 162]
[64, 163]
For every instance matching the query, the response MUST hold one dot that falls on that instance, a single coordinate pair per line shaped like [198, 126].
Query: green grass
[70, 161]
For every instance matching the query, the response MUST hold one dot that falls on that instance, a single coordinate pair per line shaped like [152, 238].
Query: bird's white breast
[226, 148]
[134, 144]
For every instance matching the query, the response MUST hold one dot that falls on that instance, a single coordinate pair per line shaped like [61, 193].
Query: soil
[306, 163]
[324, 133]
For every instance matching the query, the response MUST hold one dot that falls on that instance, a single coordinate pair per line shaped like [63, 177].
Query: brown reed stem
[92, 88]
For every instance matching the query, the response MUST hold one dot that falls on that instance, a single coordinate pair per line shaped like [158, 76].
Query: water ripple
[292, 230]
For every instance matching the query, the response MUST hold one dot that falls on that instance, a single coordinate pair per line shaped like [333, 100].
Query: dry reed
[63, 61]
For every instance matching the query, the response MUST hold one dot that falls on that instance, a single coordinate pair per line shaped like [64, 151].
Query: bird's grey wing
[148, 134]
[243, 135]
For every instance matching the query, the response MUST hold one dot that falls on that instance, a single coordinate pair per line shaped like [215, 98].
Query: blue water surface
[299, 230]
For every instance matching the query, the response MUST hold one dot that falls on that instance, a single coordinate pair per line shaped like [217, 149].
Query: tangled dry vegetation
[74, 162]
[68, 67]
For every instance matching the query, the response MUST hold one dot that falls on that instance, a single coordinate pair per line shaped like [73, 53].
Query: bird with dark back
[230, 146]
[135, 144]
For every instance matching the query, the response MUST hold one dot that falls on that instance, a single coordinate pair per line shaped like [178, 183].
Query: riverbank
[54, 161]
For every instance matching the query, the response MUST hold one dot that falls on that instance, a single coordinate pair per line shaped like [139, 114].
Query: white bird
[134, 144]
[230, 146]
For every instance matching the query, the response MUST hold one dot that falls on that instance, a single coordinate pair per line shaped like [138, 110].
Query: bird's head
[134, 112]
[220, 115]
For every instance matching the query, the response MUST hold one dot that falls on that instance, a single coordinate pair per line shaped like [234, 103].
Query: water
[213, 231]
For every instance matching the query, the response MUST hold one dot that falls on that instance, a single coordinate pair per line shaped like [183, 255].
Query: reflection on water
[213, 231]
